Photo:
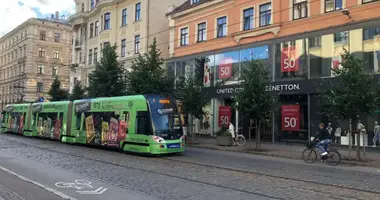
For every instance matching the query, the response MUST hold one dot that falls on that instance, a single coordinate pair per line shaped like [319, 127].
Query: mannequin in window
[376, 131]
[337, 134]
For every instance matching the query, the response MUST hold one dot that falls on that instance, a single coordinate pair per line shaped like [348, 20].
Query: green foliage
[194, 99]
[108, 78]
[223, 132]
[78, 91]
[355, 92]
[253, 101]
[147, 76]
[56, 92]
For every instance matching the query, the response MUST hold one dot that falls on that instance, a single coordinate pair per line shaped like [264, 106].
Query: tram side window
[142, 123]
[3, 117]
[78, 119]
[126, 119]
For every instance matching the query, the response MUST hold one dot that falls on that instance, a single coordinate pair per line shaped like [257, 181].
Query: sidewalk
[282, 150]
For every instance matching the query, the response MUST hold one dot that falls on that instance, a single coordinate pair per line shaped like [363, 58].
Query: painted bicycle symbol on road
[78, 184]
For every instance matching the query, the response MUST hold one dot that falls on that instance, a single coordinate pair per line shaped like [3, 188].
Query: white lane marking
[78, 184]
[38, 184]
[97, 191]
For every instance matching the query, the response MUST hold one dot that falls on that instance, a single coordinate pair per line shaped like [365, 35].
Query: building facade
[300, 41]
[130, 24]
[31, 56]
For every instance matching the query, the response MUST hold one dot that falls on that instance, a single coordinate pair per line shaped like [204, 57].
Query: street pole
[350, 140]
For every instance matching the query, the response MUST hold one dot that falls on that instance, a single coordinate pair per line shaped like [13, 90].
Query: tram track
[169, 162]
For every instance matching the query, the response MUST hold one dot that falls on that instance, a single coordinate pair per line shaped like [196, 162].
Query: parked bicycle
[309, 155]
[239, 138]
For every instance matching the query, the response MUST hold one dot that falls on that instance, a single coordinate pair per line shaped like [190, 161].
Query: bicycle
[239, 138]
[332, 154]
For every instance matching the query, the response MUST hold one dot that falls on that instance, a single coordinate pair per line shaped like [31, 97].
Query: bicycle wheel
[240, 140]
[309, 155]
[334, 158]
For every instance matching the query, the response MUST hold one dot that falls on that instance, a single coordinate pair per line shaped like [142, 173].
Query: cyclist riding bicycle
[323, 139]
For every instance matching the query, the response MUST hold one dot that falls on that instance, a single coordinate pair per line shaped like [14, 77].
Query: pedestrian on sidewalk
[231, 129]
[376, 131]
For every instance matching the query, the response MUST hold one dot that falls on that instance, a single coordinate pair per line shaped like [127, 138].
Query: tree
[355, 91]
[56, 92]
[77, 92]
[147, 76]
[108, 78]
[194, 99]
[253, 102]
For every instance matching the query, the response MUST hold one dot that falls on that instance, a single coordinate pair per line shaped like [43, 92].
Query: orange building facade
[298, 40]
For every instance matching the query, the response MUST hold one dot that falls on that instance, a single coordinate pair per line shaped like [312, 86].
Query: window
[332, 5]
[202, 32]
[315, 42]
[248, 19]
[91, 30]
[138, 12]
[137, 44]
[40, 87]
[57, 37]
[299, 9]
[341, 37]
[265, 14]
[56, 54]
[184, 36]
[95, 55]
[40, 69]
[55, 71]
[90, 56]
[96, 28]
[41, 52]
[92, 3]
[194, 1]
[368, 1]
[371, 33]
[82, 7]
[106, 44]
[123, 48]
[124, 17]
[221, 27]
[42, 35]
[107, 20]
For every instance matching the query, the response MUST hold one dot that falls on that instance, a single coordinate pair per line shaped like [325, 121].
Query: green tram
[141, 123]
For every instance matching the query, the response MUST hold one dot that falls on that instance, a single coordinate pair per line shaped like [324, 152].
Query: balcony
[78, 18]
[78, 44]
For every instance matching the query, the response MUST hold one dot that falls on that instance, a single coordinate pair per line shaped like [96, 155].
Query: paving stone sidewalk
[293, 151]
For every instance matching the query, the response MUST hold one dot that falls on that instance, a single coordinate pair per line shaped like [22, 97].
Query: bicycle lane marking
[82, 187]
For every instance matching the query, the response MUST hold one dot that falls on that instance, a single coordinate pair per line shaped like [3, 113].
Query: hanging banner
[290, 115]
[289, 59]
[225, 68]
[224, 115]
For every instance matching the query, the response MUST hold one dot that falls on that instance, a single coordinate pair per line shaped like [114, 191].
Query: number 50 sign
[224, 115]
[290, 115]
[289, 60]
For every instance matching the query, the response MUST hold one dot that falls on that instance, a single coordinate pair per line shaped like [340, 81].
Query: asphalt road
[200, 174]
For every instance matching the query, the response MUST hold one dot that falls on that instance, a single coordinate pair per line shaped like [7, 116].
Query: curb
[343, 161]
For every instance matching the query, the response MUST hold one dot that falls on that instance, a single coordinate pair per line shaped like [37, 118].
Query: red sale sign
[224, 115]
[289, 60]
[225, 68]
[290, 117]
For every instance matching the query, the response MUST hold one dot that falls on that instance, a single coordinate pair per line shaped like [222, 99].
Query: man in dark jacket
[323, 139]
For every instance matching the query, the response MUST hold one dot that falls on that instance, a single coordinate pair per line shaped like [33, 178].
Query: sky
[15, 12]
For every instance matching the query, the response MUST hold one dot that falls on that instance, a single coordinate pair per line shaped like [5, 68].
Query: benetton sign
[269, 88]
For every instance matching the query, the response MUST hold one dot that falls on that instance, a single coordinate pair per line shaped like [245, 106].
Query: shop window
[257, 53]
[204, 68]
[291, 60]
[341, 37]
[227, 68]
[371, 33]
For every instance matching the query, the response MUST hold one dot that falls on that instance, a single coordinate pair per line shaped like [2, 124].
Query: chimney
[57, 15]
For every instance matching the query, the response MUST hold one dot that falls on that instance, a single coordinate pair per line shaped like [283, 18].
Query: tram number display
[224, 115]
[225, 68]
[289, 60]
[290, 115]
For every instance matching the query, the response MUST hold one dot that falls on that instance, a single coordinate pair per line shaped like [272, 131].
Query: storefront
[298, 66]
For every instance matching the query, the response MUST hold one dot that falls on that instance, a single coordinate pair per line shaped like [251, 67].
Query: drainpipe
[147, 25]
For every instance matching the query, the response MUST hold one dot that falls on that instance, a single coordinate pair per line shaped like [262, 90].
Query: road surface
[86, 173]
